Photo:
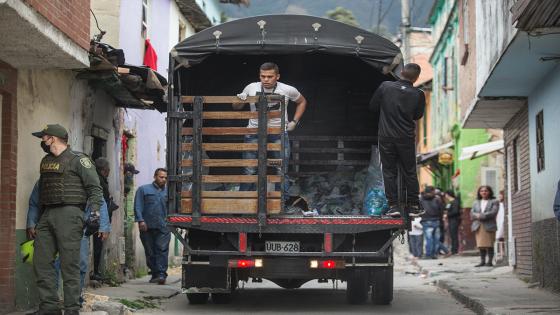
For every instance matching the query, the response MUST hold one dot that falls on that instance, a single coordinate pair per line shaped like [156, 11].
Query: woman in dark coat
[483, 216]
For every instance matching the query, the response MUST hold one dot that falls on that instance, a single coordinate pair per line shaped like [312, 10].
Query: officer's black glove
[91, 225]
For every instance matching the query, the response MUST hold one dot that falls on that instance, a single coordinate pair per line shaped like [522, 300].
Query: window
[145, 18]
[490, 177]
[540, 142]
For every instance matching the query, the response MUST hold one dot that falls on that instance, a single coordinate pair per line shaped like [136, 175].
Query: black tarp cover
[288, 34]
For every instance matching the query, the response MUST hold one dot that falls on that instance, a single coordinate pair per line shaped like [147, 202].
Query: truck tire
[197, 298]
[382, 290]
[357, 288]
[221, 298]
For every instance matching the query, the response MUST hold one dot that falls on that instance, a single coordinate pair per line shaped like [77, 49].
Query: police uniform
[68, 181]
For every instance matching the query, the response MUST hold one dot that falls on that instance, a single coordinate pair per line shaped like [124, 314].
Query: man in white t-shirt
[269, 75]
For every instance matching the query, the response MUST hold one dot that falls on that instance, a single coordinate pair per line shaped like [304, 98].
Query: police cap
[54, 130]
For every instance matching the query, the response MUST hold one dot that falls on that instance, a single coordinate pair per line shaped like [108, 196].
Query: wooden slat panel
[237, 178]
[238, 115]
[231, 194]
[232, 146]
[232, 162]
[230, 206]
[330, 150]
[229, 131]
[220, 99]
[329, 162]
[225, 99]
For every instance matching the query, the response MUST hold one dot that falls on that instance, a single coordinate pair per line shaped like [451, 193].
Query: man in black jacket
[398, 105]
[453, 219]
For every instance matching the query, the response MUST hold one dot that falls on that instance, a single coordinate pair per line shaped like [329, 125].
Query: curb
[473, 304]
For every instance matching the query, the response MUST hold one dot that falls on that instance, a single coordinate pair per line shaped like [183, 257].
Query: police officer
[68, 182]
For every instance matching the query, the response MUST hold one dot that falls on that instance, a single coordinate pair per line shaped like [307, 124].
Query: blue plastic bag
[375, 201]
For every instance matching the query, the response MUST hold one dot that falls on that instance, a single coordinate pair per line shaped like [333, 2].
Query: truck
[230, 236]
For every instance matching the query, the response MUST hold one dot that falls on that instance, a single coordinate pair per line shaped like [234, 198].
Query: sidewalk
[487, 290]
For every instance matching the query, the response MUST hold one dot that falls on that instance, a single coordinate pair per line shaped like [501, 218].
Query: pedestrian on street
[500, 239]
[268, 84]
[33, 214]
[103, 169]
[453, 214]
[398, 104]
[431, 221]
[416, 239]
[483, 216]
[68, 182]
[150, 210]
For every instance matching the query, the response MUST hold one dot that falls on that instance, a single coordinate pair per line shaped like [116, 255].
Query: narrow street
[413, 295]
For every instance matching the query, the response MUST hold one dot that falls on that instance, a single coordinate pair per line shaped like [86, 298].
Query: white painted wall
[544, 183]
[494, 32]
[107, 13]
[55, 96]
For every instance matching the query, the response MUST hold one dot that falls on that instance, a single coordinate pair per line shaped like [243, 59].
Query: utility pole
[405, 27]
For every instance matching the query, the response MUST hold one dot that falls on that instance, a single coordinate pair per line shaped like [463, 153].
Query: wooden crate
[230, 202]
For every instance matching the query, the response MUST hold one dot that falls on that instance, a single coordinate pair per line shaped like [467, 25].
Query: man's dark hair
[429, 190]
[270, 66]
[101, 163]
[490, 191]
[411, 71]
[159, 169]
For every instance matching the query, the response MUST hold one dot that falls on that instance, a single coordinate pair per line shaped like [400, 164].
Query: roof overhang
[29, 40]
[194, 14]
[476, 151]
[523, 65]
[424, 158]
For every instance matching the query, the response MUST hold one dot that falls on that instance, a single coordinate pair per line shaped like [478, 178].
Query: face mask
[45, 147]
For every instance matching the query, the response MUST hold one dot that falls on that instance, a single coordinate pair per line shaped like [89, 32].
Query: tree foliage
[343, 15]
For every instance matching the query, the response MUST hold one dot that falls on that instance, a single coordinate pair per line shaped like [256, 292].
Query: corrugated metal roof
[534, 14]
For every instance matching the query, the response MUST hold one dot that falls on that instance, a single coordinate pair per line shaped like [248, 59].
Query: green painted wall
[469, 180]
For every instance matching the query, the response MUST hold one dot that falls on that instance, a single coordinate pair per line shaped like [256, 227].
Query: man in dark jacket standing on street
[453, 219]
[68, 182]
[150, 210]
[431, 221]
[398, 105]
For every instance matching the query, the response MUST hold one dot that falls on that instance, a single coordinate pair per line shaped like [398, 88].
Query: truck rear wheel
[357, 287]
[382, 290]
[197, 298]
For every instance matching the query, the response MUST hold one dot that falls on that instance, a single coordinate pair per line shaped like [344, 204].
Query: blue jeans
[156, 248]
[432, 234]
[271, 154]
[415, 242]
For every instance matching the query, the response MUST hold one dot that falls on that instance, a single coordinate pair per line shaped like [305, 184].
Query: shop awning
[475, 151]
[424, 158]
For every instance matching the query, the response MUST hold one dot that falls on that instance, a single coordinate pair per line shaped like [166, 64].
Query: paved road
[413, 295]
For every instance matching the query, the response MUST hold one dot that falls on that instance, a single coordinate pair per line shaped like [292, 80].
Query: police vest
[59, 183]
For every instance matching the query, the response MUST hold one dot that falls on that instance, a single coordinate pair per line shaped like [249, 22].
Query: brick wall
[8, 182]
[72, 17]
[518, 128]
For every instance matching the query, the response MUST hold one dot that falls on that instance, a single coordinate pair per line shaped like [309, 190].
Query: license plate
[281, 247]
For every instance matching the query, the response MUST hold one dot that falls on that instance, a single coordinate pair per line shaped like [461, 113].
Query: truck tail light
[245, 263]
[326, 264]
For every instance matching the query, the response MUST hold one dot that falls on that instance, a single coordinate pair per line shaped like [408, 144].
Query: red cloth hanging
[150, 56]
